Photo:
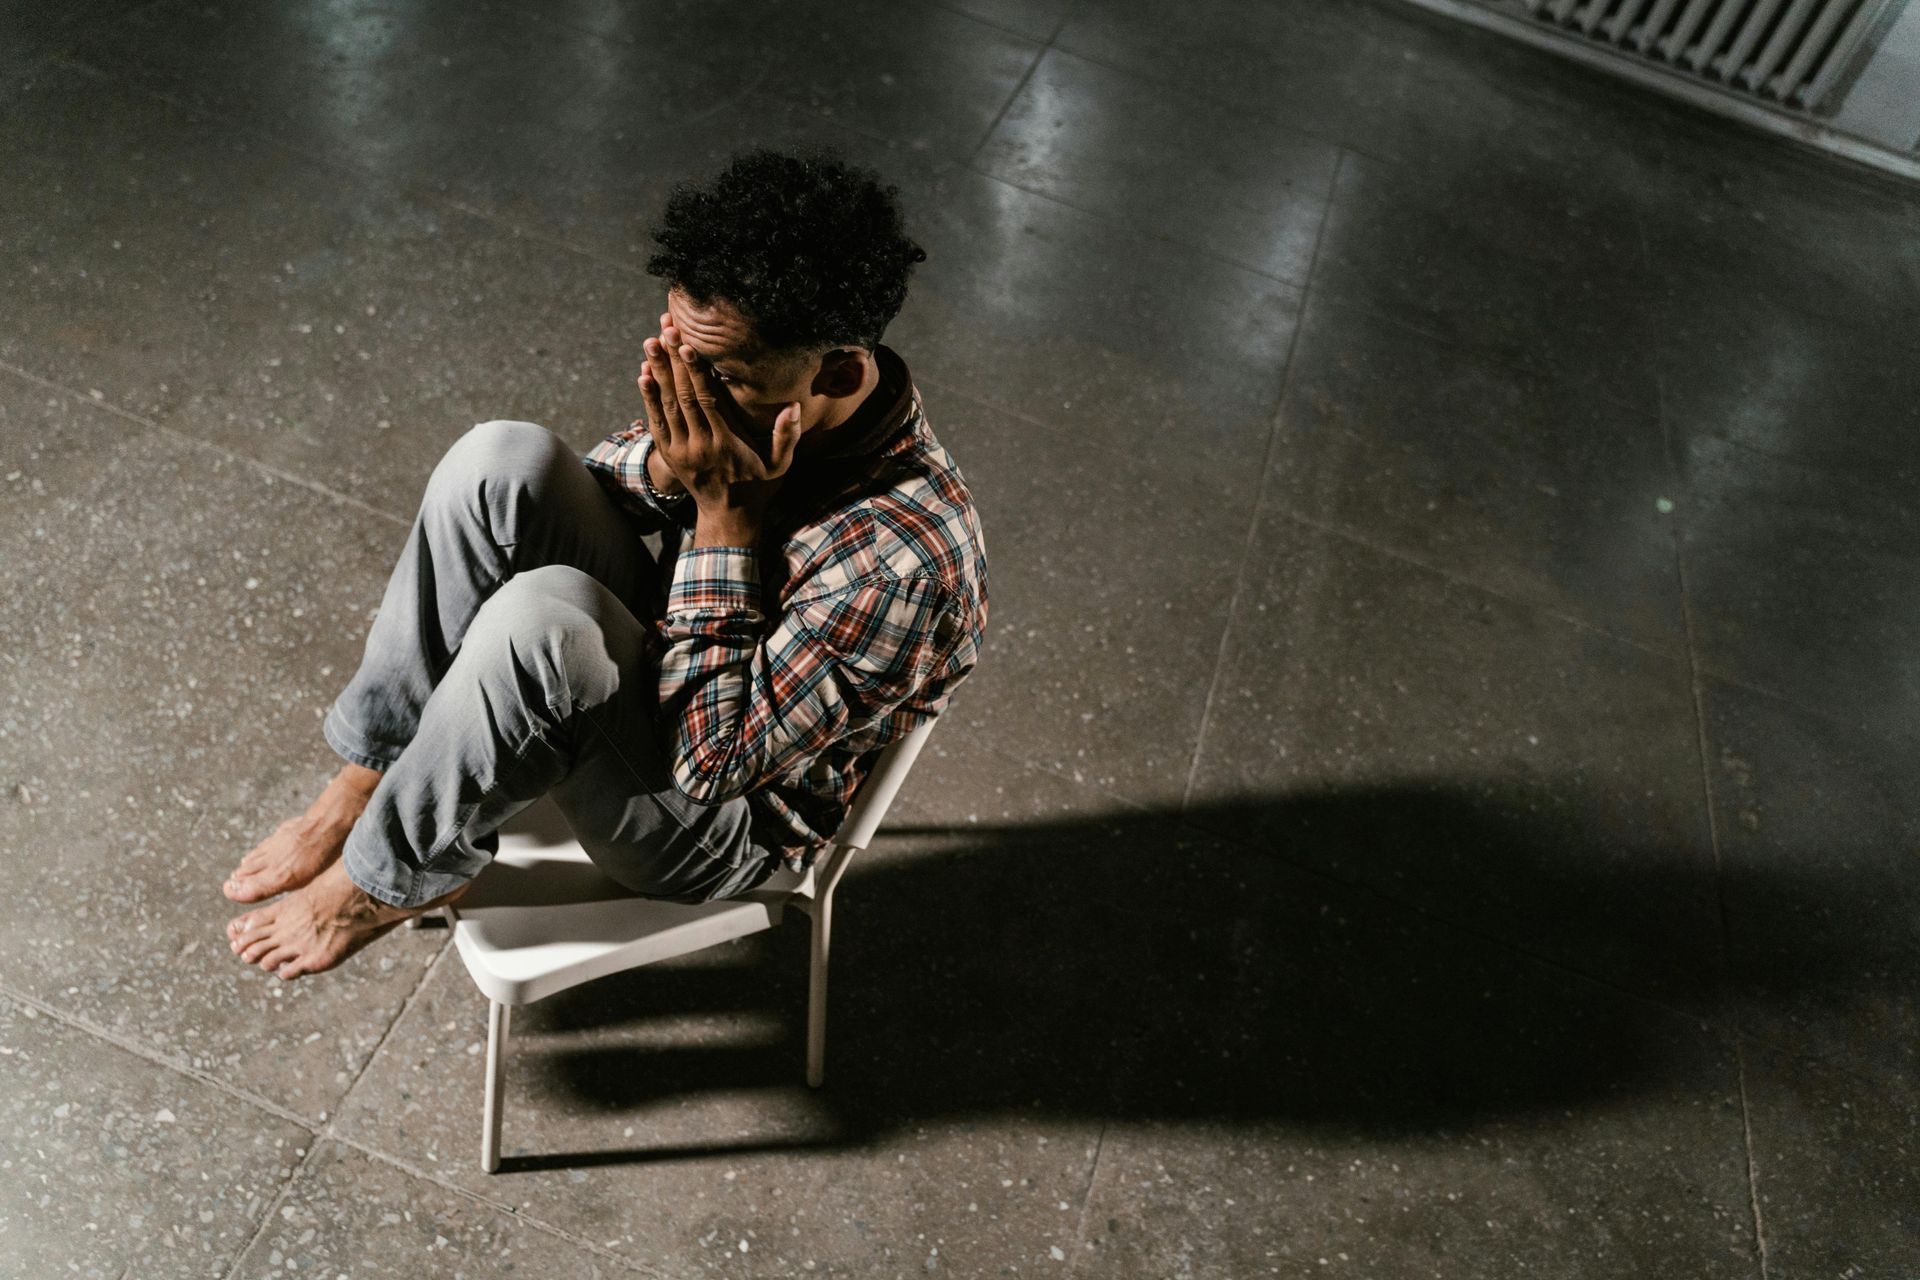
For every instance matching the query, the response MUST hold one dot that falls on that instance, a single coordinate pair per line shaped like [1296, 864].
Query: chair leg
[497, 1020]
[822, 917]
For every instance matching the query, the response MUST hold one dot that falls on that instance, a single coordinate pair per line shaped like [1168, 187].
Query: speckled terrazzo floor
[1438, 800]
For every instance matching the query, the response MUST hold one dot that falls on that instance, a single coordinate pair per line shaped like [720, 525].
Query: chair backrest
[870, 805]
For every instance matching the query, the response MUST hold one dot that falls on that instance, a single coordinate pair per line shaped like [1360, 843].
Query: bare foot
[301, 848]
[315, 927]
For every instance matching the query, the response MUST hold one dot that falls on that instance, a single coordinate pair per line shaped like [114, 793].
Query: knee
[497, 451]
[539, 606]
[558, 626]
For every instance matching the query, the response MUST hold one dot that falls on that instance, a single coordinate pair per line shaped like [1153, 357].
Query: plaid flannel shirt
[781, 674]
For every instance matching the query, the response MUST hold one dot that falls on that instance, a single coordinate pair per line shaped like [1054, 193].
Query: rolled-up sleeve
[744, 704]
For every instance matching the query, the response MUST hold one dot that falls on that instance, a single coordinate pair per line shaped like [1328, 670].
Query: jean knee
[551, 622]
[538, 604]
[501, 451]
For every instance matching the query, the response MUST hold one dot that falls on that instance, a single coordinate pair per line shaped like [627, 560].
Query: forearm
[714, 627]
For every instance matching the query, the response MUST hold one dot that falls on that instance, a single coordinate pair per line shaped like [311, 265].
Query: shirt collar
[878, 419]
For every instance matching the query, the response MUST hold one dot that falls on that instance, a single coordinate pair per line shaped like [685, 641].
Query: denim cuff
[395, 883]
[349, 745]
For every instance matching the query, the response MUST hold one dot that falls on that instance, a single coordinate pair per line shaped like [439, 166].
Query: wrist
[662, 484]
[718, 526]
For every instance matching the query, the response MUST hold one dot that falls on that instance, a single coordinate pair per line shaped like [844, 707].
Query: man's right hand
[661, 476]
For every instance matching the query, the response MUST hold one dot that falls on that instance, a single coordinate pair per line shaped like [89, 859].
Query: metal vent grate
[1786, 51]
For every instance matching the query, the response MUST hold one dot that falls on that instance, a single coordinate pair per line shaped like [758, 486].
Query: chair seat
[542, 917]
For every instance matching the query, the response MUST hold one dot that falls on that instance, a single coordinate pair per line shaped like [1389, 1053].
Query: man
[702, 719]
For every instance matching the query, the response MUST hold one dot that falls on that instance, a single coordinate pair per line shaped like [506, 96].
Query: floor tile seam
[1753, 1163]
[559, 105]
[494, 219]
[1713, 839]
[988, 23]
[1066, 15]
[1018, 414]
[1363, 888]
[146, 1053]
[498, 1206]
[1035, 766]
[1702, 1018]
[1703, 738]
[1237, 108]
[316, 1132]
[1247, 542]
[1871, 479]
[1139, 231]
[750, 89]
[1485, 351]
[421, 195]
[31, 67]
[1346, 534]
[1219, 101]
[1222, 101]
[100, 16]
[407, 190]
[158, 1058]
[412, 997]
[1026, 77]
[1086, 1200]
[1714, 675]
[197, 442]
[312, 49]
[331, 1130]
[534, 23]
[272, 1210]
[1831, 1060]
[1312, 871]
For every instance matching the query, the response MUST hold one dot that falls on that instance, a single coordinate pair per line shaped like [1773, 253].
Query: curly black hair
[808, 248]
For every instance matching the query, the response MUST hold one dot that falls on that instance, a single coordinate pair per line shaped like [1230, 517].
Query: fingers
[786, 437]
[663, 405]
[656, 411]
[694, 393]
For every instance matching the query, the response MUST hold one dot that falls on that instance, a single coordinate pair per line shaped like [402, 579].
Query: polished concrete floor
[1438, 799]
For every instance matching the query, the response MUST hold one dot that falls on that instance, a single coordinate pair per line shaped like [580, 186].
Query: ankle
[356, 780]
[345, 797]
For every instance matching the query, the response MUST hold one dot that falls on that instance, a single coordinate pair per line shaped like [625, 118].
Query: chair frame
[814, 896]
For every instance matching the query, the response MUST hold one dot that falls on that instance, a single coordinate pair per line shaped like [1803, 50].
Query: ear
[842, 372]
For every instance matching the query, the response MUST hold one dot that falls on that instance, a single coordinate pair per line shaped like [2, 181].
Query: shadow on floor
[1137, 966]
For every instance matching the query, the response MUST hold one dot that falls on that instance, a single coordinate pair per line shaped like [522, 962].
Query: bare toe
[276, 954]
[249, 922]
[256, 933]
[298, 850]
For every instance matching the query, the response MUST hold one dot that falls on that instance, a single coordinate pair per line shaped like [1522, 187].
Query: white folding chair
[542, 918]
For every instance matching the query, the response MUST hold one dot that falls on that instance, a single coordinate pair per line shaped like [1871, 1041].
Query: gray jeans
[507, 662]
